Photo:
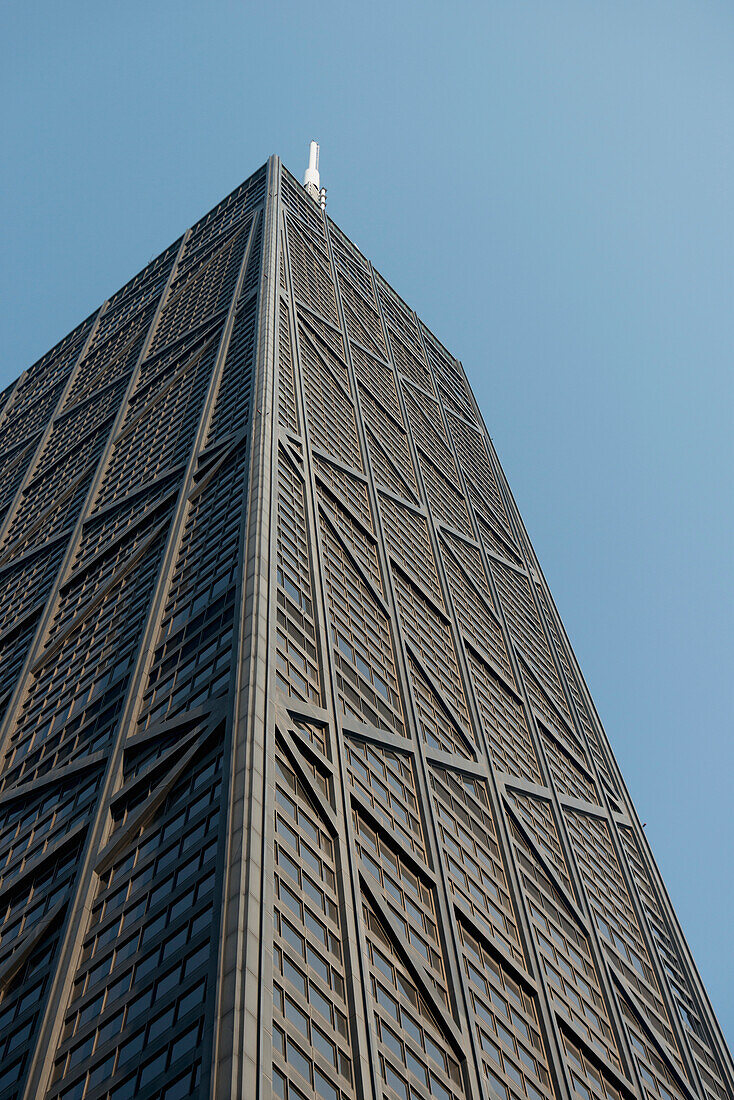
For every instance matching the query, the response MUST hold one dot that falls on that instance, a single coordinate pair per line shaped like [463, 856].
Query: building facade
[302, 793]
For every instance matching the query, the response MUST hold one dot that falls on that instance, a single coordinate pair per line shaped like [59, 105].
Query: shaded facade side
[126, 456]
[301, 791]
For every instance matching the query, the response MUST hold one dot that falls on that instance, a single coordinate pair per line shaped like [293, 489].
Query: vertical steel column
[236, 1044]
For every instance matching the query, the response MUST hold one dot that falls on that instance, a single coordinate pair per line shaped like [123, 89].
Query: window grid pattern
[76, 421]
[22, 916]
[5, 397]
[503, 721]
[311, 1035]
[296, 648]
[513, 1057]
[406, 352]
[549, 713]
[50, 507]
[323, 332]
[310, 269]
[697, 1034]
[389, 439]
[346, 487]
[329, 409]
[136, 1013]
[107, 363]
[50, 367]
[600, 759]
[537, 816]
[314, 732]
[579, 705]
[351, 262]
[424, 417]
[36, 416]
[431, 638]
[492, 540]
[13, 465]
[483, 489]
[70, 453]
[27, 581]
[198, 295]
[362, 321]
[568, 968]
[567, 771]
[69, 714]
[409, 898]
[437, 728]
[472, 855]
[36, 867]
[588, 1082]
[450, 380]
[386, 780]
[74, 700]
[614, 915]
[287, 410]
[104, 528]
[41, 379]
[232, 411]
[42, 530]
[406, 534]
[362, 644]
[445, 498]
[30, 835]
[193, 653]
[386, 473]
[474, 609]
[14, 647]
[159, 434]
[135, 297]
[227, 214]
[404, 337]
[36, 521]
[376, 377]
[328, 359]
[525, 627]
[361, 541]
[416, 1060]
[657, 1080]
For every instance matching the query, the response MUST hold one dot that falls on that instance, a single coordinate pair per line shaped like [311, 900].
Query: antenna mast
[312, 180]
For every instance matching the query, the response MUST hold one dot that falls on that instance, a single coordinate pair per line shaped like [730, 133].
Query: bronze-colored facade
[301, 790]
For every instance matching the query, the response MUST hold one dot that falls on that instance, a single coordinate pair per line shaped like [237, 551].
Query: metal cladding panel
[301, 791]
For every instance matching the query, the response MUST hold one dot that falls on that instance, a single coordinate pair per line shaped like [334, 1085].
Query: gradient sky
[550, 186]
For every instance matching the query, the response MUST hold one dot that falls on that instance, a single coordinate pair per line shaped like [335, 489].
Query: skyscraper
[301, 790]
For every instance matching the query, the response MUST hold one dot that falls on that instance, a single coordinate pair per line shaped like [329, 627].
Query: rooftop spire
[312, 179]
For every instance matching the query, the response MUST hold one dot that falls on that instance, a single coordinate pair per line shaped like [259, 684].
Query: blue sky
[550, 186]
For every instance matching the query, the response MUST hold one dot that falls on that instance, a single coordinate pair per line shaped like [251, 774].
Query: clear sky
[550, 185]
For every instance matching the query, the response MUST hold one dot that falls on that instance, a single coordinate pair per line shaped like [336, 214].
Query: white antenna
[312, 180]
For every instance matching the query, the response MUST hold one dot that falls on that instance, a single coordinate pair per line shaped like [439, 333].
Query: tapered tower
[302, 793]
